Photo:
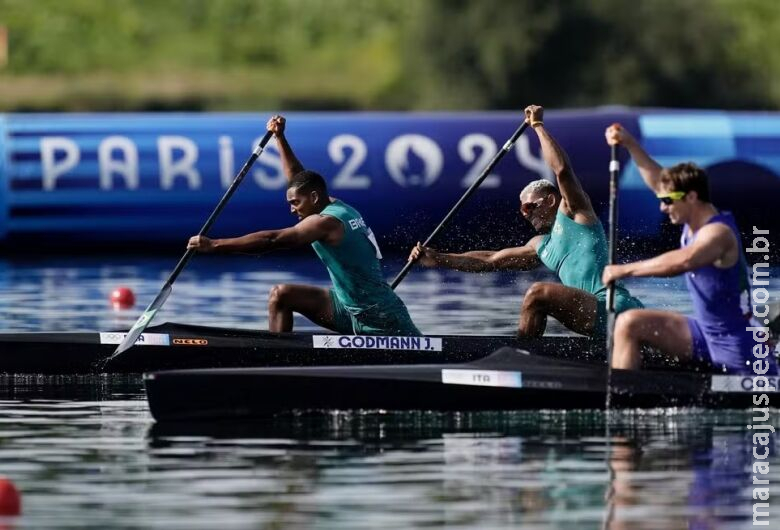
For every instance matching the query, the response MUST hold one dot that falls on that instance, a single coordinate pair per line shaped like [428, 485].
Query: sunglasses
[528, 207]
[669, 198]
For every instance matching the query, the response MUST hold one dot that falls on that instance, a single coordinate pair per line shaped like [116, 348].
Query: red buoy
[122, 298]
[10, 500]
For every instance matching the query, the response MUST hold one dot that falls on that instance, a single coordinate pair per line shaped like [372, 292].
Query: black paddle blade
[155, 306]
[143, 321]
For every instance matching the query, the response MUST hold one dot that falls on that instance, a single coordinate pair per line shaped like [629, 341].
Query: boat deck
[171, 346]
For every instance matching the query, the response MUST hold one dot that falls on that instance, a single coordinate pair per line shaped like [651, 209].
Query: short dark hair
[687, 177]
[307, 181]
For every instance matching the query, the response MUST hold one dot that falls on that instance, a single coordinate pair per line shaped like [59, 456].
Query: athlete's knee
[537, 296]
[278, 295]
[629, 323]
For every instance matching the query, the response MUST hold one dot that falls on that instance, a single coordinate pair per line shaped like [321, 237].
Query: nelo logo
[191, 342]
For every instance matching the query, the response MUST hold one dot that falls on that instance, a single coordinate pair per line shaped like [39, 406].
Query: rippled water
[104, 464]
[85, 452]
[68, 294]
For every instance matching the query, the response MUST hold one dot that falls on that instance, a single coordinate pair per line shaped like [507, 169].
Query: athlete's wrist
[216, 245]
[626, 270]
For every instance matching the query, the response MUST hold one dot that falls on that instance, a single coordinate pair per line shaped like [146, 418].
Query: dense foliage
[388, 54]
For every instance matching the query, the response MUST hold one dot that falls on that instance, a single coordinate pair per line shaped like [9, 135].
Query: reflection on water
[102, 464]
[85, 452]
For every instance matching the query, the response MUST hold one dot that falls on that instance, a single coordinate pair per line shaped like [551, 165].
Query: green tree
[495, 54]
[389, 54]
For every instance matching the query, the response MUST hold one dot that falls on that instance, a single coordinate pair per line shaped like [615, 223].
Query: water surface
[86, 453]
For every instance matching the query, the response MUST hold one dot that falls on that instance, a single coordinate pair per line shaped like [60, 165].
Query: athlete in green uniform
[571, 243]
[361, 301]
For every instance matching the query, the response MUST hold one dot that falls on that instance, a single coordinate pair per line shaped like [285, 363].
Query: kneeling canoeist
[361, 301]
[571, 242]
[710, 256]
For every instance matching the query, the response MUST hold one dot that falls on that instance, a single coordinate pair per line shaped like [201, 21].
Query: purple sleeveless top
[721, 306]
[721, 297]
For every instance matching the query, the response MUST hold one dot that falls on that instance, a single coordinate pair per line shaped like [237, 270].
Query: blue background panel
[152, 179]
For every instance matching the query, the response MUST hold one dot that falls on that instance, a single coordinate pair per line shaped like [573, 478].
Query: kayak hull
[509, 379]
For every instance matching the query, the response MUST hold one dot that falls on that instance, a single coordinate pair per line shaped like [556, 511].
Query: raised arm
[650, 170]
[714, 242]
[575, 200]
[290, 163]
[517, 258]
[311, 229]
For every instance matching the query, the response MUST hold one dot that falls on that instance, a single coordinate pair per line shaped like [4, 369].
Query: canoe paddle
[614, 169]
[482, 176]
[162, 296]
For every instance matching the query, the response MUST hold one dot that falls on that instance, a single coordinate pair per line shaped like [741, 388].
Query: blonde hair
[541, 186]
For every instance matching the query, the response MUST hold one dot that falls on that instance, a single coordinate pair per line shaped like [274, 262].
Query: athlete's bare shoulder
[535, 241]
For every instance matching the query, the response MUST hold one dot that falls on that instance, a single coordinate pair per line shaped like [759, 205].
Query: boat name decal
[145, 339]
[191, 342]
[375, 342]
[454, 376]
[745, 383]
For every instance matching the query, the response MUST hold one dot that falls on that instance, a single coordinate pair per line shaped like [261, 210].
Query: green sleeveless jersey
[577, 253]
[354, 265]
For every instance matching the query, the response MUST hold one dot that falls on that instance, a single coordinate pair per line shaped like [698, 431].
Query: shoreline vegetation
[143, 55]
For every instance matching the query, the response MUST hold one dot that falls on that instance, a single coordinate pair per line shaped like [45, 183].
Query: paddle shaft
[482, 176]
[159, 300]
[225, 198]
[614, 169]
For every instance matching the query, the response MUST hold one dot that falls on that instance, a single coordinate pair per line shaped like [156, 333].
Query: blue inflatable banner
[150, 179]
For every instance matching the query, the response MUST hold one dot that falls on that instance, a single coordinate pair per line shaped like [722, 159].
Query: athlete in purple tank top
[711, 258]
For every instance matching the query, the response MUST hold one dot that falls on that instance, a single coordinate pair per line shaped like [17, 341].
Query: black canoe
[170, 346]
[509, 379]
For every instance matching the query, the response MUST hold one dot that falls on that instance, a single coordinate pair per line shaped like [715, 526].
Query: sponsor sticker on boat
[454, 376]
[188, 341]
[145, 339]
[745, 383]
[374, 342]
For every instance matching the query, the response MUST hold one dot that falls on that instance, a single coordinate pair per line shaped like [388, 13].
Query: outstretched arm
[712, 243]
[649, 169]
[290, 163]
[311, 229]
[574, 197]
[516, 258]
